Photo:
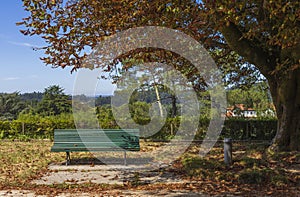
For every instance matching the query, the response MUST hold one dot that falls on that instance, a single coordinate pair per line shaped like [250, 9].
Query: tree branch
[291, 53]
[246, 48]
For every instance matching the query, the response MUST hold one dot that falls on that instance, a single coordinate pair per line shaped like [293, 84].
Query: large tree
[54, 102]
[266, 34]
[242, 36]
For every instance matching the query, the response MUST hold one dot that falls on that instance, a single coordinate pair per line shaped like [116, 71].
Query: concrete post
[228, 151]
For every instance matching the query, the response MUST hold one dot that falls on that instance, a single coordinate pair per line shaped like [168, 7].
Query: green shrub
[250, 129]
[36, 126]
[33, 126]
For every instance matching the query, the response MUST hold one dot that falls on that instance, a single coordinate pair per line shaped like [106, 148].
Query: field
[253, 173]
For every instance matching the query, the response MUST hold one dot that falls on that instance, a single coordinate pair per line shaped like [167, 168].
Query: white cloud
[17, 78]
[10, 78]
[25, 44]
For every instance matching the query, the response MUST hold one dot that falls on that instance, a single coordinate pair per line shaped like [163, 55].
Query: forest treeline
[53, 101]
[36, 115]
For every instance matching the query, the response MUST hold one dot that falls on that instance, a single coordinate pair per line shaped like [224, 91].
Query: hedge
[43, 127]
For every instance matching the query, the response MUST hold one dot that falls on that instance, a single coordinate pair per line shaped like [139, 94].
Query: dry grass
[21, 162]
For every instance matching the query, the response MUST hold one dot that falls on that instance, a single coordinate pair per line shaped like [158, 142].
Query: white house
[239, 110]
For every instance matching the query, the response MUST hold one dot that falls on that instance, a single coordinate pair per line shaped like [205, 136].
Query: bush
[33, 126]
[252, 129]
[36, 126]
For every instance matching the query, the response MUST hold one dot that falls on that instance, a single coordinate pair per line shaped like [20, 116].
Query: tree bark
[161, 112]
[174, 107]
[286, 97]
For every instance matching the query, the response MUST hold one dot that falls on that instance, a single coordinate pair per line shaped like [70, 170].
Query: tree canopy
[10, 105]
[243, 37]
[54, 102]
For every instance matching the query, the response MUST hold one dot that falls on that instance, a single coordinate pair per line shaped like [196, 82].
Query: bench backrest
[95, 140]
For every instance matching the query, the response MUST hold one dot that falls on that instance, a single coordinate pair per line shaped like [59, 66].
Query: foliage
[54, 102]
[102, 100]
[245, 39]
[266, 34]
[33, 96]
[241, 129]
[256, 96]
[140, 112]
[29, 126]
[105, 117]
[267, 29]
[10, 106]
[269, 26]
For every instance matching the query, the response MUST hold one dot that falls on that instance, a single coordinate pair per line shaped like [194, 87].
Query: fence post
[228, 151]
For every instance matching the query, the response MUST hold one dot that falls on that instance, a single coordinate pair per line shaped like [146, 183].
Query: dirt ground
[112, 174]
[106, 174]
[87, 176]
[128, 193]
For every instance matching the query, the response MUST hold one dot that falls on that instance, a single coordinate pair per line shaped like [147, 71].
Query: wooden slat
[95, 140]
[92, 149]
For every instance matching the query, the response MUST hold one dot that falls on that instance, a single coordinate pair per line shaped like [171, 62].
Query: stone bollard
[228, 151]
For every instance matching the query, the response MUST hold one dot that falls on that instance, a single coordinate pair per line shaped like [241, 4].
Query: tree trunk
[174, 107]
[284, 86]
[286, 97]
[161, 112]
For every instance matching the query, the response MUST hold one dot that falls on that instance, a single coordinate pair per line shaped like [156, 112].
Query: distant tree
[54, 102]
[33, 96]
[256, 96]
[140, 112]
[10, 106]
[103, 100]
[31, 101]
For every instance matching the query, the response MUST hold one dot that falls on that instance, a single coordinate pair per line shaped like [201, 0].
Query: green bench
[93, 140]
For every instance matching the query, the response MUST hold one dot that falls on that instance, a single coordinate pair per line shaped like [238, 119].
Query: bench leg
[68, 158]
[125, 162]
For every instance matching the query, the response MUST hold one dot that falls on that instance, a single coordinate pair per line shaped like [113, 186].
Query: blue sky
[21, 69]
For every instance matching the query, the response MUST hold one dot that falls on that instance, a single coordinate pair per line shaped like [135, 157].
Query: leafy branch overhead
[245, 38]
[264, 27]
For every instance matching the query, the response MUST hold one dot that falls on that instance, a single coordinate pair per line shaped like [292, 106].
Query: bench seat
[92, 140]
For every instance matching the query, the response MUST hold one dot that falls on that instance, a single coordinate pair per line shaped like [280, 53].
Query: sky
[21, 69]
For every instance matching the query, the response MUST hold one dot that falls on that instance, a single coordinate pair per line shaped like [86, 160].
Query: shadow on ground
[108, 161]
